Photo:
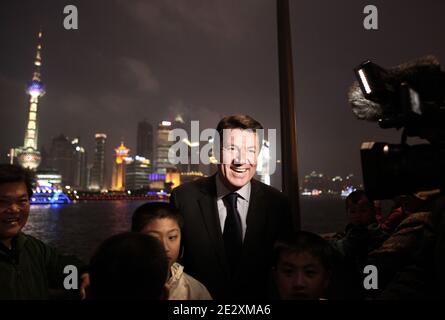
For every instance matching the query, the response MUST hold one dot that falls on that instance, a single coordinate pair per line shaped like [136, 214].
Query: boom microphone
[409, 88]
[363, 108]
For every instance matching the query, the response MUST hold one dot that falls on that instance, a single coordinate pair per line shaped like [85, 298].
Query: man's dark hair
[148, 212]
[309, 242]
[129, 266]
[357, 195]
[238, 121]
[15, 173]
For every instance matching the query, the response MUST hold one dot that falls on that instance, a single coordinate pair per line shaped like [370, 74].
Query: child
[129, 266]
[363, 233]
[302, 267]
[164, 222]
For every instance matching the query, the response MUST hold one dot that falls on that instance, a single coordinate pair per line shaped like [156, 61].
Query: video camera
[411, 97]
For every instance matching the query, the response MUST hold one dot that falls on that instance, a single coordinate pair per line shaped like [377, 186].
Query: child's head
[162, 221]
[360, 209]
[129, 266]
[303, 266]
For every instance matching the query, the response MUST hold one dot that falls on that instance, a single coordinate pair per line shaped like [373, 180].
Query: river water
[78, 228]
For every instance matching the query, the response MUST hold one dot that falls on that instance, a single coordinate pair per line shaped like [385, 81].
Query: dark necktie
[232, 234]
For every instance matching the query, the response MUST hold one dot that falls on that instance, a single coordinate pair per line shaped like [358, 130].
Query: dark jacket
[357, 241]
[404, 261]
[354, 246]
[268, 219]
[31, 268]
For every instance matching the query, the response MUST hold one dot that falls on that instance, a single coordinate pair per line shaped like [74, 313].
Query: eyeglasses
[6, 203]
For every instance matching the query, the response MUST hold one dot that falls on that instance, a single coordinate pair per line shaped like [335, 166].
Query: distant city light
[347, 191]
[48, 196]
[190, 144]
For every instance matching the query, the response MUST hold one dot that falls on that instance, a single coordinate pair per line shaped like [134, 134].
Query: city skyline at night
[278, 150]
[136, 60]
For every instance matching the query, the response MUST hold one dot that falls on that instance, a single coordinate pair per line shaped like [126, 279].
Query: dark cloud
[140, 74]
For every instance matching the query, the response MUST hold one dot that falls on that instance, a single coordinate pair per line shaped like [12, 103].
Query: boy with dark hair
[164, 222]
[28, 267]
[129, 266]
[146, 213]
[303, 267]
[363, 233]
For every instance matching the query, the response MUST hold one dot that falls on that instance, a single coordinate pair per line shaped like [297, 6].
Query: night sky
[151, 59]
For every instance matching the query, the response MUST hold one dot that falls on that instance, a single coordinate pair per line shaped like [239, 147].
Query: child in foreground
[303, 267]
[164, 222]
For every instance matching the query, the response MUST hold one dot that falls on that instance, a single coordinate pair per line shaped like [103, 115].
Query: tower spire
[38, 59]
[28, 155]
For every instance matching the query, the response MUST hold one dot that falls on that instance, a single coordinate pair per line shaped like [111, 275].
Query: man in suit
[231, 221]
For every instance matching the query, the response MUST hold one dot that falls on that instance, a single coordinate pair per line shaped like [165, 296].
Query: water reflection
[79, 228]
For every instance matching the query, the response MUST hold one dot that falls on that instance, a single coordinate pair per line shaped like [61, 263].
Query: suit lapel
[211, 218]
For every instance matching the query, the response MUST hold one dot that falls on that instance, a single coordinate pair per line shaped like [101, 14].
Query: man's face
[300, 276]
[14, 209]
[361, 213]
[239, 157]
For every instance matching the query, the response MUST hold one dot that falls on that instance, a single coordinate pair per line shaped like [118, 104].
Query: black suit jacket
[268, 219]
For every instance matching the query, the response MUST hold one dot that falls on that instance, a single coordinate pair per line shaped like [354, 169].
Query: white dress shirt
[242, 203]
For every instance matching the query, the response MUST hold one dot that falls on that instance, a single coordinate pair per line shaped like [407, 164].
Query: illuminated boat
[50, 197]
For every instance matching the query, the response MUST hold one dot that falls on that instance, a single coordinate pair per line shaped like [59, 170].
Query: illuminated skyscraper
[191, 144]
[137, 172]
[79, 165]
[118, 178]
[68, 157]
[144, 147]
[263, 164]
[61, 158]
[162, 147]
[28, 155]
[98, 171]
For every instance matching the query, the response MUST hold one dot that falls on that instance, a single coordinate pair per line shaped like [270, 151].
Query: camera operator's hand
[84, 285]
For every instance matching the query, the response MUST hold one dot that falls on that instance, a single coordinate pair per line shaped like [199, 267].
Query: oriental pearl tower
[28, 156]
